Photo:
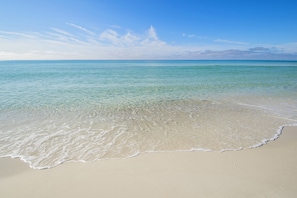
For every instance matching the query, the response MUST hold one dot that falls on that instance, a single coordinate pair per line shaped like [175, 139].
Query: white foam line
[276, 136]
[236, 149]
[28, 162]
[137, 153]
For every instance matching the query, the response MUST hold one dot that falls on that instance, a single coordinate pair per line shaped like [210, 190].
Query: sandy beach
[267, 171]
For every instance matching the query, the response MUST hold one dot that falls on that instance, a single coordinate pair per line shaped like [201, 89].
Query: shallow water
[57, 111]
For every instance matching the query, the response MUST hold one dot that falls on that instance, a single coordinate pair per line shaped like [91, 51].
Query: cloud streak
[230, 42]
[256, 53]
[81, 28]
[58, 43]
[62, 32]
[194, 36]
[62, 44]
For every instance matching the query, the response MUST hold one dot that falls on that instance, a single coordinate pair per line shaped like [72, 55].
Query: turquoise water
[52, 112]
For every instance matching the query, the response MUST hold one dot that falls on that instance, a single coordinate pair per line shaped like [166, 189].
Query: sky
[148, 29]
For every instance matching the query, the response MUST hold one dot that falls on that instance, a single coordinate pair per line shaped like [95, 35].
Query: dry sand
[268, 171]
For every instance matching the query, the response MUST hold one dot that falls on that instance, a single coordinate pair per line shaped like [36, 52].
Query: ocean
[52, 112]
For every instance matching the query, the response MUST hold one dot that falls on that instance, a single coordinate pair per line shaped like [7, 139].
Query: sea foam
[54, 112]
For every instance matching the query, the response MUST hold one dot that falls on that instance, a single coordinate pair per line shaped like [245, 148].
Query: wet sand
[267, 171]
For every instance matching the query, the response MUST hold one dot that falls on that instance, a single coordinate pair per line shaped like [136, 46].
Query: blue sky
[148, 29]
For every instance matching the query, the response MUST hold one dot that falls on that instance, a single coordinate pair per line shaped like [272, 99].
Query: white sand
[268, 171]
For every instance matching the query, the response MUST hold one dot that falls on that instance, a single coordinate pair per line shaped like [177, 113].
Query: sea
[52, 112]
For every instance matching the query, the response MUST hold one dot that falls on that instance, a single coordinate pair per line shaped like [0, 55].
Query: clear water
[57, 111]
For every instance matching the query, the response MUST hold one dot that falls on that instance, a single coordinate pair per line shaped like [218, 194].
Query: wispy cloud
[61, 32]
[188, 35]
[113, 43]
[62, 44]
[109, 36]
[152, 33]
[214, 40]
[256, 53]
[129, 39]
[113, 37]
[81, 28]
[8, 34]
[230, 42]
[115, 26]
[152, 38]
[60, 36]
[194, 36]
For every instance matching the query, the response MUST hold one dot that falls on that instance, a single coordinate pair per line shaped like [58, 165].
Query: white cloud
[230, 42]
[115, 26]
[188, 35]
[11, 35]
[152, 33]
[60, 36]
[289, 47]
[62, 32]
[109, 36]
[151, 39]
[130, 39]
[256, 53]
[81, 28]
[194, 36]
[61, 44]
[113, 44]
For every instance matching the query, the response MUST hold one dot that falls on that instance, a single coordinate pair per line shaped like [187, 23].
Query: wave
[123, 132]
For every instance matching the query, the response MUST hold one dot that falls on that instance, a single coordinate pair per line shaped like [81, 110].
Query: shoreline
[263, 142]
[269, 170]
